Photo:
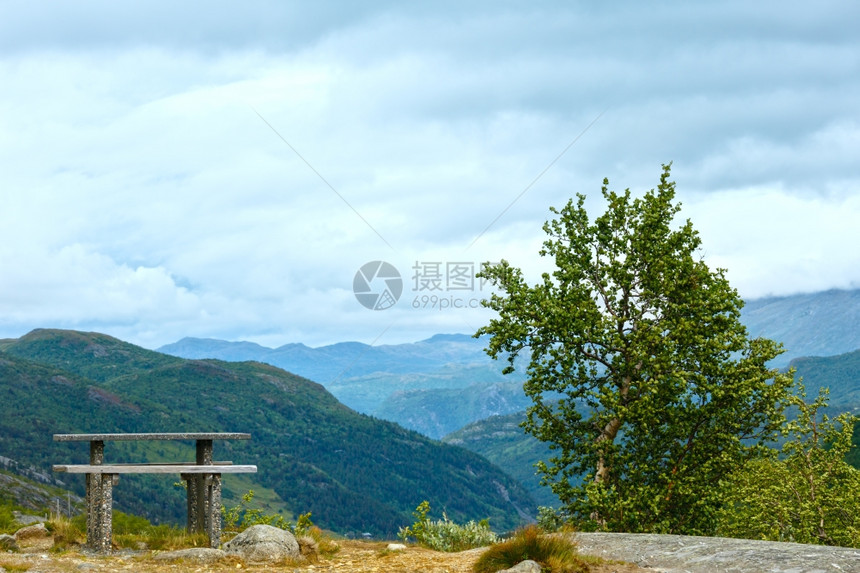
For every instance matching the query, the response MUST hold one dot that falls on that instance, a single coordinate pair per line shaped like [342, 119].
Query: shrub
[242, 516]
[444, 534]
[809, 495]
[552, 552]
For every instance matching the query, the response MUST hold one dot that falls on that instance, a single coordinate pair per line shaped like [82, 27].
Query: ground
[353, 557]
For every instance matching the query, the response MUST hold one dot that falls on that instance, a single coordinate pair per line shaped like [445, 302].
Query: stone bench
[202, 477]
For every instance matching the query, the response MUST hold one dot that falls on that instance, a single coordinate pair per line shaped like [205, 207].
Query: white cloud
[141, 195]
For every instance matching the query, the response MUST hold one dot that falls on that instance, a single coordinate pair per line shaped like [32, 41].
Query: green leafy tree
[644, 382]
[809, 495]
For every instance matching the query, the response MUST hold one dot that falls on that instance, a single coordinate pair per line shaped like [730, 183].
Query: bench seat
[189, 468]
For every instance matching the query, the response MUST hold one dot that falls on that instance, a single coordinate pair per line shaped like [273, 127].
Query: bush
[444, 534]
[553, 553]
[241, 517]
[810, 495]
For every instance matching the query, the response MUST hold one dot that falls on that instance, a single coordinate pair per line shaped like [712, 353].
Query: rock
[202, 555]
[264, 544]
[32, 531]
[25, 519]
[8, 543]
[396, 547]
[527, 566]
[714, 554]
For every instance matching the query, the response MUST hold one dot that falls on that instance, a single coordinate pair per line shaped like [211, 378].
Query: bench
[202, 477]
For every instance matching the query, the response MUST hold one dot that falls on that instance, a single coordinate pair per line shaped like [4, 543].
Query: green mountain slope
[437, 412]
[353, 472]
[501, 440]
[841, 374]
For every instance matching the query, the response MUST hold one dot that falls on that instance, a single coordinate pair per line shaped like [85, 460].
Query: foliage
[810, 495]
[242, 516]
[551, 520]
[643, 380]
[554, 553]
[444, 534]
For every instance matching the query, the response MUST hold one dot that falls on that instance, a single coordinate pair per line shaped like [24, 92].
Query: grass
[553, 553]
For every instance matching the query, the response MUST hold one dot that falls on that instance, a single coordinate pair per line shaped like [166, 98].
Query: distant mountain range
[353, 472]
[818, 324]
[445, 382]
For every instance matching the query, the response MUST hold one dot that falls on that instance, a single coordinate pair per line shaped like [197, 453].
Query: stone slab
[690, 554]
[156, 436]
[154, 469]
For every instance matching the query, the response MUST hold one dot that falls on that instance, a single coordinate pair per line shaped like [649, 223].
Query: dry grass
[554, 553]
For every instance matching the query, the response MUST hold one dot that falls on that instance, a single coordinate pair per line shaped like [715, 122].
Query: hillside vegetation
[353, 472]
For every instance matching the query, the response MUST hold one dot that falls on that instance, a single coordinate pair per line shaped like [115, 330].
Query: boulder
[264, 544]
[396, 547]
[37, 531]
[527, 566]
[8, 543]
[202, 555]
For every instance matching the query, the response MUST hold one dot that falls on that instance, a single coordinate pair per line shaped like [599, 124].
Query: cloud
[142, 194]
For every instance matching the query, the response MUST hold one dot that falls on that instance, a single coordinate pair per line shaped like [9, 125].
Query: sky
[228, 170]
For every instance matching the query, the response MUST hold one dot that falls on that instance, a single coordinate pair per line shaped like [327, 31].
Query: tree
[810, 495]
[643, 380]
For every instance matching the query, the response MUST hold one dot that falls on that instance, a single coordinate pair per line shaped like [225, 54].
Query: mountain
[839, 374]
[817, 324]
[436, 412]
[344, 360]
[353, 472]
[411, 384]
[501, 440]
[432, 385]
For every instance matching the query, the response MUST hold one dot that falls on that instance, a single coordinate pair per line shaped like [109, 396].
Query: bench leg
[201, 498]
[106, 513]
[191, 502]
[100, 511]
[213, 518]
[94, 495]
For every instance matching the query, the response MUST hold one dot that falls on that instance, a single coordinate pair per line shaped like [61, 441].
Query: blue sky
[223, 170]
